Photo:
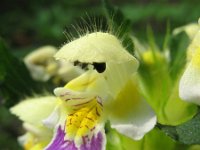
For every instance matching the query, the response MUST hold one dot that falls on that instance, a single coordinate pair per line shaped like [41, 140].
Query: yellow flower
[43, 66]
[33, 112]
[107, 91]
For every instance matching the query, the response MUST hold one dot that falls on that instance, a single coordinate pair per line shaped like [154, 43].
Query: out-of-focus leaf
[161, 11]
[177, 110]
[119, 25]
[15, 80]
[194, 147]
[160, 90]
[9, 130]
[178, 47]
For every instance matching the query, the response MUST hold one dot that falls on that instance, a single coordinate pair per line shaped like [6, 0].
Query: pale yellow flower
[107, 91]
[43, 66]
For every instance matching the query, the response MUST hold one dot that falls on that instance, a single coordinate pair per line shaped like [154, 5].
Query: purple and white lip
[59, 142]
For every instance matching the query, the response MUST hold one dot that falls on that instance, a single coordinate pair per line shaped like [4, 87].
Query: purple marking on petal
[59, 143]
[96, 143]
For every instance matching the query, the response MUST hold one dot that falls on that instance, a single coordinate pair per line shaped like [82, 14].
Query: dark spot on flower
[100, 67]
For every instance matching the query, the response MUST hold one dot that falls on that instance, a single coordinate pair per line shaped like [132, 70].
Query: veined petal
[97, 142]
[95, 47]
[34, 110]
[89, 84]
[133, 116]
[83, 119]
[72, 97]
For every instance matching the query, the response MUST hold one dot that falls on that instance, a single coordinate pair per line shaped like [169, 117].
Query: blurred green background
[26, 25]
[33, 23]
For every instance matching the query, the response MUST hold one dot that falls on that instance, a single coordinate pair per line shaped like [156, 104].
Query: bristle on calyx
[95, 47]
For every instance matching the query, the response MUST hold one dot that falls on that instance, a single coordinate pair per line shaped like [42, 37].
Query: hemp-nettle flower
[32, 111]
[189, 87]
[40, 61]
[42, 65]
[106, 91]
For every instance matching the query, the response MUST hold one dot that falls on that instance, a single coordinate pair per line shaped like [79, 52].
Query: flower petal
[117, 75]
[83, 118]
[129, 114]
[195, 45]
[34, 110]
[190, 81]
[87, 85]
[136, 130]
[41, 54]
[52, 119]
[37, 60]
[35, 135]
[97, 142]
[189, 86]
[59, 143]
[95, 47]
[104, 84]
[67, 71]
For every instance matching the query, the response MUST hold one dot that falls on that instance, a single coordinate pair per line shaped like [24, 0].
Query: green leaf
[160, 91]
[187, 133]
[15, 80]
[119, 25]
[9, 130]
[178, 47]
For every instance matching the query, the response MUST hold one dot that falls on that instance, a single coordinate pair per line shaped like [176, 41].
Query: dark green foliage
[189, 132]
[9, 129]
[178, 47]
[186, 133]
[119, 25]
[15, 80]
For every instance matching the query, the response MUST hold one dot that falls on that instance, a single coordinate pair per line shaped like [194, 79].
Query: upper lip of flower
[95, 47]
